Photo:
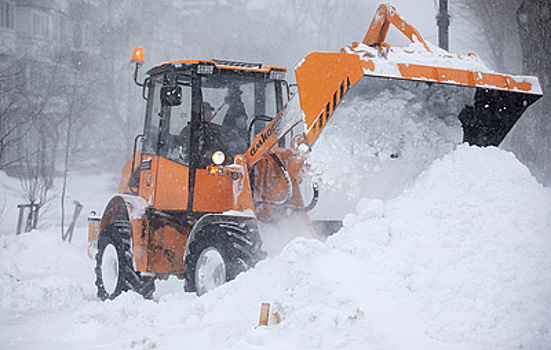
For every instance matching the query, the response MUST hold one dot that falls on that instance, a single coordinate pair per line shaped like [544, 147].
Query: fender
[215, 219]
[123, 207]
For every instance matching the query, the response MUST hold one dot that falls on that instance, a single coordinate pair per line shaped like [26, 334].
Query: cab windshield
[228, 105]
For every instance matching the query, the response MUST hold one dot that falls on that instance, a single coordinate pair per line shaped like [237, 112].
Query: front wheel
[210, 271]
[218, 253]
[114, 264]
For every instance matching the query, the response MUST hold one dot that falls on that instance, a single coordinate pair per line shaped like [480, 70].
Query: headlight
[218, 157]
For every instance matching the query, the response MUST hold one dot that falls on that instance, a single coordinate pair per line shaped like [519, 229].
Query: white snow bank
[461, 260]
[470, 242]
[38, 271]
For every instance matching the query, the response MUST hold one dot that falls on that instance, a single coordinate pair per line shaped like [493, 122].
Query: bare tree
[37, 177]
[79, 98]
[17, 113]
[517, 40]
[534, 23]
[37, 150]
[23, 147]
[496, 21]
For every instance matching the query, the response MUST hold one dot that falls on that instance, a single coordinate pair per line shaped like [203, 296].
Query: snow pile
[416, 53]
[384, 134]
[460, 260]
[40, 272]
[471, 244]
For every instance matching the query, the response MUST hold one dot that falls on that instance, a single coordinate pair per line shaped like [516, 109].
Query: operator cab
[203, 112]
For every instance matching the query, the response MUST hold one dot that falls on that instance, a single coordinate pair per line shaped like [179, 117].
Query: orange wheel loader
[221, 158]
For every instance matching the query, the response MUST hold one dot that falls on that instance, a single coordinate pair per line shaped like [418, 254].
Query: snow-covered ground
[461, 259]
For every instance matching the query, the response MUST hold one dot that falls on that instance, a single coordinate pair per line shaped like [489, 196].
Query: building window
[61, 30]
[83, 36]
[41, 25]
[7, 15]
[77, 35]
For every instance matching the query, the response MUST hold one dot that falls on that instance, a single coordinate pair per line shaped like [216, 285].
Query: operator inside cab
[230, 137]
[235, 120]
[207, 135]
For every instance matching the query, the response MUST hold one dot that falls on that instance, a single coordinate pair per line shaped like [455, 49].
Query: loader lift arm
[289, 117]
[378, 29]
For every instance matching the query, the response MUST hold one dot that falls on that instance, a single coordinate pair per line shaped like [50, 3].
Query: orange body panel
[171, 185]
[166, 250]
[213, 193]
[165, 187]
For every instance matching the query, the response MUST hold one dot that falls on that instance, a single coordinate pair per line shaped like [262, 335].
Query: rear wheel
[114, 264]
[218, 253]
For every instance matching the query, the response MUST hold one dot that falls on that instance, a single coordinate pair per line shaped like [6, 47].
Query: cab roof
[220, 64]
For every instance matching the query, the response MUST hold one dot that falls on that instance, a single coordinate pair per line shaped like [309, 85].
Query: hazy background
[68, 101]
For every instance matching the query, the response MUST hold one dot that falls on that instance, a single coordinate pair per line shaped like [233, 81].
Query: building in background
[43, 45]
[56, 55]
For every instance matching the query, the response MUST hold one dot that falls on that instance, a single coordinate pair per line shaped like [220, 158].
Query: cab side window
[178, 140]
[152, 128]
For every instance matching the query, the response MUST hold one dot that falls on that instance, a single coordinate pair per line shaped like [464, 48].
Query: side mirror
[171, 95]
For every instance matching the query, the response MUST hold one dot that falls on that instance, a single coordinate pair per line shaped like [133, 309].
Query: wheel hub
[210, 271]
[110, 269]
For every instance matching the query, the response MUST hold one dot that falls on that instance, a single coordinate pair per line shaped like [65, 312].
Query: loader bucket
[486, 105]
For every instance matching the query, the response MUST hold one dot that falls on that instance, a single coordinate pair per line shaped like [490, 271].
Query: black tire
[114, 264]
[237, 245]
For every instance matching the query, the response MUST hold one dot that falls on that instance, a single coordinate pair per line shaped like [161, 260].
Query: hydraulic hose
[287, 177]
[287, 180]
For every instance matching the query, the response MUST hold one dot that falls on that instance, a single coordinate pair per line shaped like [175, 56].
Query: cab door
[165, 158]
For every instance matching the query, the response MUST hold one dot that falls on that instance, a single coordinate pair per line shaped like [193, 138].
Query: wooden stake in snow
[264, 314]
